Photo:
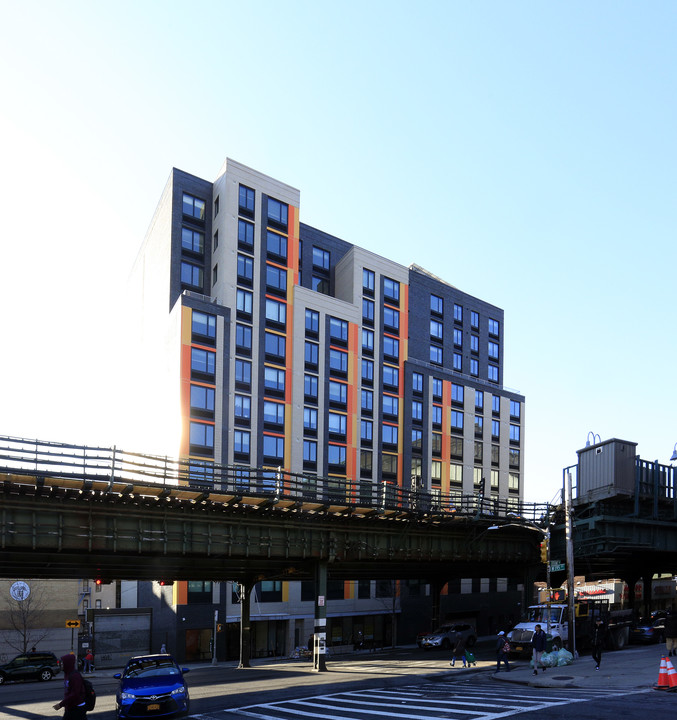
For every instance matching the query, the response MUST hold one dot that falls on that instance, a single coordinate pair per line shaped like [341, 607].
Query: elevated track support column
[320, 634]
[246, 587]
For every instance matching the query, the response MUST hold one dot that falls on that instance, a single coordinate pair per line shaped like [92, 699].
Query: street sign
[557, 566]
[72, 623]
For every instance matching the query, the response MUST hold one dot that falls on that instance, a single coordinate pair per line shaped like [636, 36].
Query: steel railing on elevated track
[111, 468]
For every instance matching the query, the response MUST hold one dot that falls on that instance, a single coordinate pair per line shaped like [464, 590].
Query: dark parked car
[648, 630]
[152, 686]
[446, 636]
[31, 666]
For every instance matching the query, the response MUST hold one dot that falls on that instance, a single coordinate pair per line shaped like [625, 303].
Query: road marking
[422, 702]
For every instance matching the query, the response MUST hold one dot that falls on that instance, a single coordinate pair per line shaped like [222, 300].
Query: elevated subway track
[69, 511]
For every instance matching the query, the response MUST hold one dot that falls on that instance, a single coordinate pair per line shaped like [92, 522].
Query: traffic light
[544, 551]
[165, 583]
[100, 581]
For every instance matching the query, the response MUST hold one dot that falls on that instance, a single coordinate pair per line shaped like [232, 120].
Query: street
[405, 683]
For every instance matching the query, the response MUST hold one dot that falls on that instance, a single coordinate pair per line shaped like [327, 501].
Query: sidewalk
[634, 668]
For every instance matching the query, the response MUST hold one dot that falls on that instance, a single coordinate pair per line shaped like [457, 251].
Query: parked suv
[30, 666]
[446, 636]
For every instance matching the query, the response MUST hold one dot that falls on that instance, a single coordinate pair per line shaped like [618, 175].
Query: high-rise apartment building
[278, 345]
[272, 344]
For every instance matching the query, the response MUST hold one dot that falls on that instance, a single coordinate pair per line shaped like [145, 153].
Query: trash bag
[564, 658]
[549, 659]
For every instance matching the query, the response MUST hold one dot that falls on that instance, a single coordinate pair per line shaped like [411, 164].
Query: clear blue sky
[523, 151]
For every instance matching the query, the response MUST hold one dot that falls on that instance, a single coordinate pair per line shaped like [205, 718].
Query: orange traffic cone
[663, 683]
[672, 675]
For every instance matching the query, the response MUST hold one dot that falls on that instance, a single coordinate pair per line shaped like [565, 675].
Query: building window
[338, 392]
[474, 344]
[514, 433]
[391, 318]
[310, 386]
[367, 371]
[368, 311]
[458, 313]
[310, 419]
[479, 453]
[217, 204]
[243, 338]
[437, 388]
[366, 463]
[492, 373]
[494, 327]
[338, 330]
[367, 401]
[243, 301]
[458, 337]
[391, 347]
[336, 456]
[436, 330]
[391, 376]
[276, 245]
[515, 407]
[416, 410]
[242, 407]
[276, 278]
[312, 322]
[275, 345]
[479, 400]
[245, 269]
[203, 325]
[514, 457]
[336, 424]
[493, 350]
[513, 482]
[243, 372]
[192, 240]
[389, 434]
[474, 319]
[273, 412]
[193, 207]
[389, 465]
[436, 472]
[215, 242]
[458, 362]
[311, 353]
[456, 474]
[391, 290]
[338, 361]
[368, 281]
[309, 451]
[495, 404]
[391, 405]
[273, 379]
[436, 416]
[495, 428]
[474, 367]
[436, 443]
[276, 312]
[319, 284]
[241, 442]
[321, 258]
[457, 393]
[202, 399]
[479, 425]
[277, 212]
[416, 440]
[202, 435]
[436, 305]
[245, 233]
[416, 469]
[417, 382]
[495, 454]
[202, 362]
[456, 420]
[456, 447]
[273, 448]
[192, 275]
[366, 431]
[246, 200]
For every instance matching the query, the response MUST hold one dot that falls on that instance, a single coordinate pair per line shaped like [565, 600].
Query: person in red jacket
[74, 691]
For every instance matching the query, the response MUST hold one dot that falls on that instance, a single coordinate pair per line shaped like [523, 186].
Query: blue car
[152, 686]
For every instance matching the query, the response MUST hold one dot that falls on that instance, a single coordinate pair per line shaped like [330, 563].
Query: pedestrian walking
[89, 662]
[502, 651]
[74, 691]
[538, 643]
[459, 650]
[671, 633]
[598, 638]
[163, 649]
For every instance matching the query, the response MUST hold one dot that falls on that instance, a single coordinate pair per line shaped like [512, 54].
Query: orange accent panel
[181, 592]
